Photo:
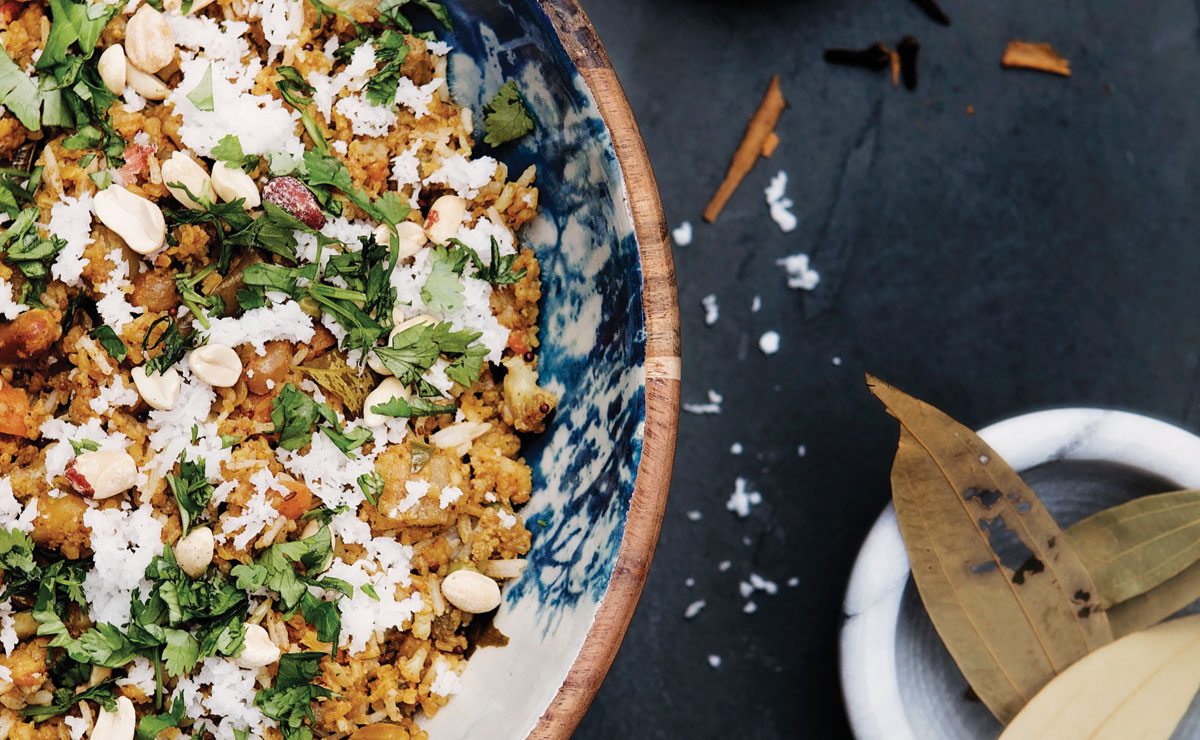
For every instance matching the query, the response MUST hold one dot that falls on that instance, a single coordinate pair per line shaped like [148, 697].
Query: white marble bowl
[898, 680]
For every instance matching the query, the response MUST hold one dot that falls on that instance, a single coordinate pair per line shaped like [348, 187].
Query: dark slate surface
[1041, 252]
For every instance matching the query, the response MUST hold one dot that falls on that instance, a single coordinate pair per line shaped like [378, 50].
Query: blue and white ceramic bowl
[610, 350]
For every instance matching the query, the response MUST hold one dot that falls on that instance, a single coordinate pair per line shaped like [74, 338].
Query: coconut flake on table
[9, 308]
[417, 97]
[724, 565]
[712, 407]
[71, 221]
[756, 304]
[694, 608]
[714, 661]
[464, 176]
[694, 515]
[261, 123]
[799, 275]
[750, 607]
[736, 448]
[123, 544]
[712, 311]
[769, 342]
[742, 499]
[779, 204]
[682, 234]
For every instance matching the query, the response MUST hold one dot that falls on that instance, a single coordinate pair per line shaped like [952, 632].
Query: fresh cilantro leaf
[506, 117]
[24, 249]
[86, 445]
[275, 568]
[229, 440]
[347, 440]
[390, 52]
[323, 615]
[278, 278]
[398, 407]
[152, 724]
[16, 553]
[108, 339]
[17, 189]
[372, 486]
[191, 489]
[19, 94]
[499, 271]
[229, 151]
[298, 94]
[102, 645]
[290, 701]
[240, 734]
[233, 227]
[102, 693]
[249, 299]
[101, 179]
[181, 653]
[328, 11]
[369, 590]
[414, 350]
[224, 636]
[172, 343]
[294, 414]
[443, 291]
[389, 11]
[466, 369]
[202, 96]
[199, 304]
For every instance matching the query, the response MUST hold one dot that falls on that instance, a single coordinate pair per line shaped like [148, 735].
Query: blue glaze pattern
[592, 355]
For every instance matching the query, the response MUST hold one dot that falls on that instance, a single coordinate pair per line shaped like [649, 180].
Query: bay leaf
[1137, 687]
[1137, 546]
[1006, 592]
[1148, 609]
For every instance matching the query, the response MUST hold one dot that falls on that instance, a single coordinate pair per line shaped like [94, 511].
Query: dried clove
[875, 57]
[934, 11]
[908, 49]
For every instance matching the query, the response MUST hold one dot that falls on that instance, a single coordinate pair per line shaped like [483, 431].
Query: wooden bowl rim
[662, 367]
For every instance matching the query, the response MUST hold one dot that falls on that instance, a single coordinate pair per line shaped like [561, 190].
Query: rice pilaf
[267, 345]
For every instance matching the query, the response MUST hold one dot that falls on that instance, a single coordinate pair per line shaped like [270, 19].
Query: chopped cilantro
[17, 189]
[86, 445]
[191, 489]
[506, 116]
[229, 151]
[295, 414]
[16, 553]
[102, 693]
[443, 291]
[398, 407]
[414, 350]
[173, 343]
[101, 179]
[390, 52]
[202, 96]
[369, 590]
[289, 702]
[24, 249]
[499, 271]
[229, 440]
[152, 724]
[298, 94]
[19, 94]
[199, 304]
[372, 486]
[108, 339]
[275, 568]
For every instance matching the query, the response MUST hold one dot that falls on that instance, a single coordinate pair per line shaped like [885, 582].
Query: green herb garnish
[202, 96]
[506, 117]
[191, 489]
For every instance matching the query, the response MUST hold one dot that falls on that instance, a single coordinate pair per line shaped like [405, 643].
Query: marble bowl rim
[871, 612]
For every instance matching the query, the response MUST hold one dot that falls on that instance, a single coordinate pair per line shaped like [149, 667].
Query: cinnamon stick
[762, 125]
[1040, 57]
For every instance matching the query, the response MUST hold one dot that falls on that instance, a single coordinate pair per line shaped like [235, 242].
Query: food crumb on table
[712, 311]
[682, 234]
[712, 407]
[694, 608]
[781, 205]
[769, 342]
